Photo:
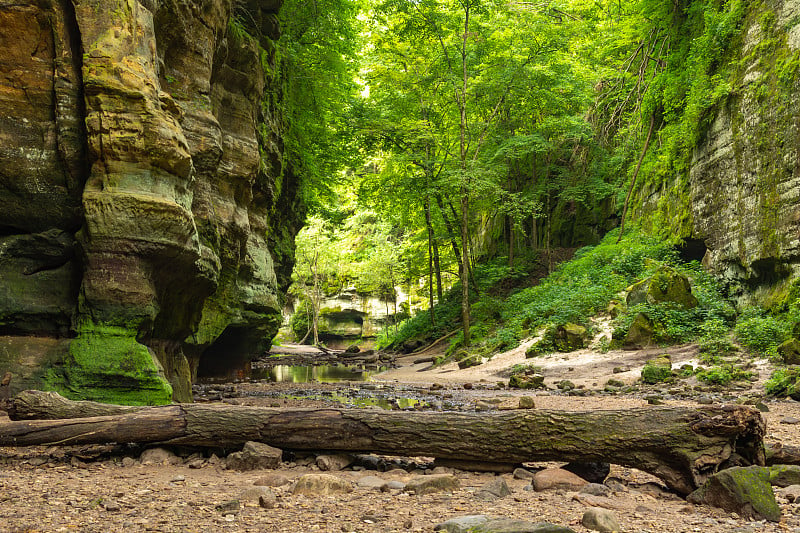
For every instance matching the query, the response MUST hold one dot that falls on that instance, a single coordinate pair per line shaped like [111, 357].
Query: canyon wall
[740, 199]
[143, 193]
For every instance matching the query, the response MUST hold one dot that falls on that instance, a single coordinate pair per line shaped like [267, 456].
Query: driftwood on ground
[682, 446]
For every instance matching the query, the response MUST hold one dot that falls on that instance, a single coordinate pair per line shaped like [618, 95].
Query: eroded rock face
[742, 192]
[141, 192]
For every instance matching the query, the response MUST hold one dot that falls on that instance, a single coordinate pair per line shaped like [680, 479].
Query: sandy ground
[108, 489]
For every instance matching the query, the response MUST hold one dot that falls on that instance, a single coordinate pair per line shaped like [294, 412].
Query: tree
[444, 78]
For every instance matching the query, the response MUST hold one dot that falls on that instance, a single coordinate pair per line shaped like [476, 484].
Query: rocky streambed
[124, 487]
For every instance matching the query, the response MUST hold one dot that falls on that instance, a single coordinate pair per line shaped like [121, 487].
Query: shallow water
[298, 374]
[309, 374]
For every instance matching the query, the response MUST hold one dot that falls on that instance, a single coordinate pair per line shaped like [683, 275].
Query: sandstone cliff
[142, 192]
[739, 198]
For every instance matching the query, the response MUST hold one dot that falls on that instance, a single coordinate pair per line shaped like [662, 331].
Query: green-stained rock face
[738, 191]
[107, 364]
[143, 193]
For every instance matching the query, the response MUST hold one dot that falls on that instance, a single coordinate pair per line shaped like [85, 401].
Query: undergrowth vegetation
[515, 304]
[574, 292]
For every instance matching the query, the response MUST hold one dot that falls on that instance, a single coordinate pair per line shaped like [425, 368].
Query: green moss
[657, 370]
[746, 491]
[107, 364]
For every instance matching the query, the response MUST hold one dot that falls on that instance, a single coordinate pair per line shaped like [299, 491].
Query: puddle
[309, 374]
[300, 374]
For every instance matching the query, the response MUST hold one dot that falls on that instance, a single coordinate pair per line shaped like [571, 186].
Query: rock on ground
[601, 520]
[741, 490]
[321, 485]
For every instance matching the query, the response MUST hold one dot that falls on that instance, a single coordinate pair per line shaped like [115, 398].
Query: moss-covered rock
[790, 351]
[666, 285]
[526, 381]
[657, 370]
[570, 337]
[640, 333]
[745, 491]
[107, 364]
[784, 475]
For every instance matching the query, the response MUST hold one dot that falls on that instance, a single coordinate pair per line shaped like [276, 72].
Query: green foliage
[675, 324]
[318, 61]
[657, 370]
[784, 382]
[760, 333]
[715, 340]
[723, 374]
[574, 292]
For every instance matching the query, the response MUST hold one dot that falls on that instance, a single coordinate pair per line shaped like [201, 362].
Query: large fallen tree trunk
[682, 446]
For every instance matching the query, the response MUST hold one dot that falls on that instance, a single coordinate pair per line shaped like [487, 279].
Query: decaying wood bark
[682, 446]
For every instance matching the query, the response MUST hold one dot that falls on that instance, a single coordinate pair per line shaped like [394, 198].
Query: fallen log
[682, 446]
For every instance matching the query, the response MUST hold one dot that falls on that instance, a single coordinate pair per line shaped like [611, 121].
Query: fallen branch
[434, 343]
[682, 446]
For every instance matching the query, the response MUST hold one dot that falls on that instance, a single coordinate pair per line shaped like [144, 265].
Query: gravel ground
[107, 488]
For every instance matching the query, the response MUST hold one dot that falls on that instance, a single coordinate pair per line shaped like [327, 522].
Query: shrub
[715, 340]
[761, 334]
[657, 370]
[723, 374]
[784, 382]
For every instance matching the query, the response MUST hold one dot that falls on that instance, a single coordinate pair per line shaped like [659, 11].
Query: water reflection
[307, 374]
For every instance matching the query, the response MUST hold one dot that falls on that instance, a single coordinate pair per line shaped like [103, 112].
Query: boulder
[790, 351]
[333, 463]
[596, 489]
[321, 485]
[159, 456]
[462, 524]
[598, 519]
[531, 380]
[557, 478]
[521, 473]
[493, 490]
[784, 475]
[791, 493]
[665, 285]
[485, 524]
[640, 333]
[743, 490]
[657, 370]
[255, 456]
[527, 402]
[434, 483]
[510, 525]
[255, 494]
[370, 482]
[570, 337]
[272, 479]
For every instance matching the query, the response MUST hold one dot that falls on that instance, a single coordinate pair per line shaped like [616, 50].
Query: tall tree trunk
[448, 225]
[465, 263]
[316, 300]
[635, 174]
[511, 243]
[431, 260]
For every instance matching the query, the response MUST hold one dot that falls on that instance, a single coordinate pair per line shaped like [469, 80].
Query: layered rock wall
[141, 192]
[741, 196]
